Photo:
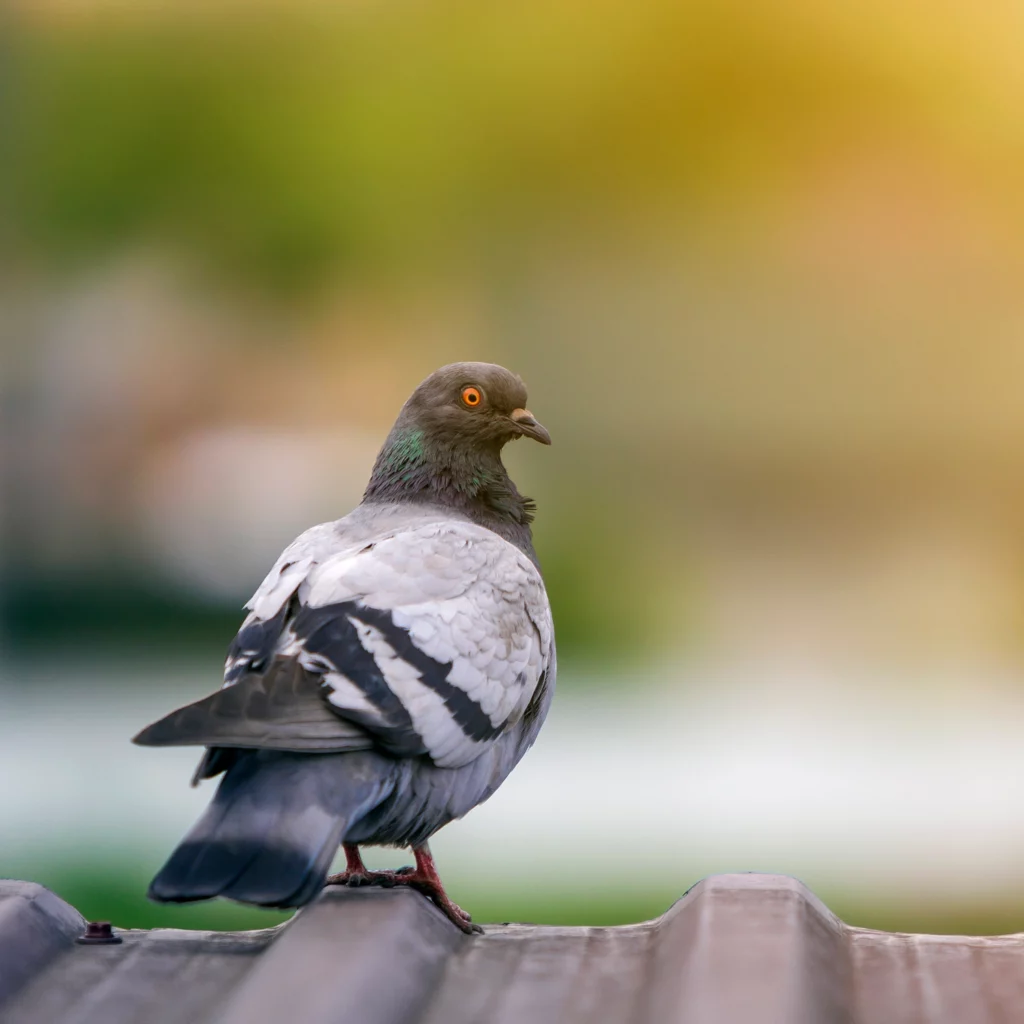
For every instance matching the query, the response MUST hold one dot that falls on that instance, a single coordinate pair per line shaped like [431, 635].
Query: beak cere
[529, 427]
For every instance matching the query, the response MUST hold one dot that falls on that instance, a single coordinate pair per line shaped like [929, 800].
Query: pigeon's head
[445, 448]
[473, 405]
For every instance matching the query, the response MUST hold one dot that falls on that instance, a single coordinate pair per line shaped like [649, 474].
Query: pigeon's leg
[426, 880]
[356, 873]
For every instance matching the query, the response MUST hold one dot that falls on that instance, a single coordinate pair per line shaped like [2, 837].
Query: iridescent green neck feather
[417, 467]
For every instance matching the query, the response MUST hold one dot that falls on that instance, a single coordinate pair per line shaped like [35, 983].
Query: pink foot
[426, 880]
[423, 878]
[356, 873]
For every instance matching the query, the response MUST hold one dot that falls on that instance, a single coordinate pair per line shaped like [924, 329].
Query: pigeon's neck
[415, 468]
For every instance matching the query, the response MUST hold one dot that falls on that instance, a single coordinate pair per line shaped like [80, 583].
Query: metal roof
[736, 949]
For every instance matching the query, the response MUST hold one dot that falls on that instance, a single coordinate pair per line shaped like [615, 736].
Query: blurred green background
[761, 267]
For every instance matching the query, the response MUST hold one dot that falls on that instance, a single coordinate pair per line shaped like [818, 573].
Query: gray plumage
[393, 668]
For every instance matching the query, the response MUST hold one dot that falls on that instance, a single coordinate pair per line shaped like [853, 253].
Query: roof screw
[98, 933]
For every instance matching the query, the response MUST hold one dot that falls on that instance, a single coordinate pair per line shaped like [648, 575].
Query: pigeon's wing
[282, 708]
[434, 639]
[267, 701]
[257, 640]
[426, 639]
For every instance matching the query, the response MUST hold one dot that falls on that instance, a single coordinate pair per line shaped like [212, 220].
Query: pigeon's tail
[273, 828]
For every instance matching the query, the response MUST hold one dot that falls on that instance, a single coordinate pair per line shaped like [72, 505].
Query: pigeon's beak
[529, 427]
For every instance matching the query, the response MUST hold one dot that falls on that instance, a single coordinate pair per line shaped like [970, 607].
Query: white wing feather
[463, 595]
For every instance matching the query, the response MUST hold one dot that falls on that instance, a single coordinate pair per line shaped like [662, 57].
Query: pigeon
[393, 668]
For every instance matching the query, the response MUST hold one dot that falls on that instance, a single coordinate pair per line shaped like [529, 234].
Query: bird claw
[423, 878]
[358, 879]
[459, 918]
[447, 906]
[403, 876]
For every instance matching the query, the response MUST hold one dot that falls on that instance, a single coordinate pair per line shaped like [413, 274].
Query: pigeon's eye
[471, 396]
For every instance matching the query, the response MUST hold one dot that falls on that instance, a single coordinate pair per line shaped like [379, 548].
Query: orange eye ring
[471, 396]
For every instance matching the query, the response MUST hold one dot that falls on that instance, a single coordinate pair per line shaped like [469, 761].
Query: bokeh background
[761, 265]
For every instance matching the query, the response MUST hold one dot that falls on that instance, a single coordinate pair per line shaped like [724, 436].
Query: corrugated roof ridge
[372, 956]
[735, 949]
[35, 927]
[701, 954]
[791, 967]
